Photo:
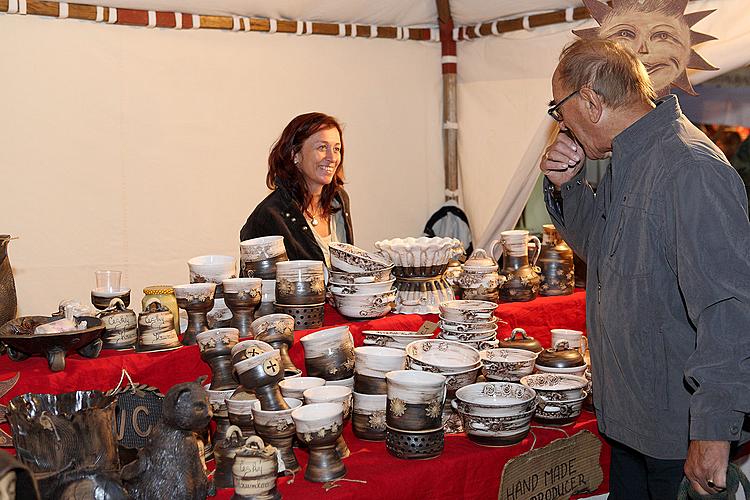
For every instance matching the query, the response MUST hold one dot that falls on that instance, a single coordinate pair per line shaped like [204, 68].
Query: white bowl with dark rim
[365, 306]
[376, 276]
[346, 257]
[556, 386]
[360, 288]
[461, 326]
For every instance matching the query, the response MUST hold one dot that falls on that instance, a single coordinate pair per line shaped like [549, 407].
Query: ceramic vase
[556, 263]
[522, 278]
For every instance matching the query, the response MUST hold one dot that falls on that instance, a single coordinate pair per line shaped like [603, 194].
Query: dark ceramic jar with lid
[561, 359]
[520, 340]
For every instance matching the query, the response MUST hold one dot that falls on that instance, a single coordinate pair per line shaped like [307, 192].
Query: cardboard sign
[565, 467]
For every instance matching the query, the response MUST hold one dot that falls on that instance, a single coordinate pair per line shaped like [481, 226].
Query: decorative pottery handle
[518, 330]
[257, 441]
[233, 429]
[151, 301]
[584, 344]
[114, 305]
[493, 245]
[538, 249]
[562, 345]
[454, 405]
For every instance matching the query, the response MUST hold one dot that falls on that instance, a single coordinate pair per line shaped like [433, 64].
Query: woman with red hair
[308, 205]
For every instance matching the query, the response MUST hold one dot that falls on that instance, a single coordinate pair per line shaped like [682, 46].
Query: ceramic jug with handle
[479, 279]
[521, 277]
[556, 262]
[8, 299]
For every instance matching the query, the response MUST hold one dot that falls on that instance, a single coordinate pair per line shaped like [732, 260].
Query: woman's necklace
[313, 218]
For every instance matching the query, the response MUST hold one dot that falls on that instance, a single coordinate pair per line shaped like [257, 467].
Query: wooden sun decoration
[659, 32]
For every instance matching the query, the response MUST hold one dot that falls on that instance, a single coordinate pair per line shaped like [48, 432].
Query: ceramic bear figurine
[170, 466]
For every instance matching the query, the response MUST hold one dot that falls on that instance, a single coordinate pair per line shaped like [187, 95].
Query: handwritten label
[563, 468]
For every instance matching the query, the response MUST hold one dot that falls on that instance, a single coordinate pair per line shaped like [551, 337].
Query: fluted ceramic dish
[420, 252]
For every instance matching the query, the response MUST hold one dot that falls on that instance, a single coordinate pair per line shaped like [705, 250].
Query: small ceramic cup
[329, 353]
[295, 387]
[371, 365]
[575, 339]
[277, 428]
[415, 400]
[216, 350]
[333, 394]
[368, 416]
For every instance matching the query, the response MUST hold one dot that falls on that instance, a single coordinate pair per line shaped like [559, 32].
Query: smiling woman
[308, 205]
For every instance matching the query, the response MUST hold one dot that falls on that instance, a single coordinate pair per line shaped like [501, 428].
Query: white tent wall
[136, 149]
[503, 88]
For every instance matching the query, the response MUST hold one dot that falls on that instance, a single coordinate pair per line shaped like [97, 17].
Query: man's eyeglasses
[553, 111]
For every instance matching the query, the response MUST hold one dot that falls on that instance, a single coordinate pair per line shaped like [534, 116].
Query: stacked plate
[360, 283]
[470, 322]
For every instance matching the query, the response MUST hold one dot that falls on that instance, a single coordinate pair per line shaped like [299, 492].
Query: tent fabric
[136, 149]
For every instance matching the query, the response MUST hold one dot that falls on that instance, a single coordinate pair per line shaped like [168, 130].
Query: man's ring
[710, 483]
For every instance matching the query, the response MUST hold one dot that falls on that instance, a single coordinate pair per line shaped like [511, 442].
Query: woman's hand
[562, 160]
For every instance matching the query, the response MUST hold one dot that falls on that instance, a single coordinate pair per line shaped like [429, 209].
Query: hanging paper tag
[428, 327]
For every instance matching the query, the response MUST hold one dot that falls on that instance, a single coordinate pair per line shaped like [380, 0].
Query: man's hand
[707, 461]
[562, 160]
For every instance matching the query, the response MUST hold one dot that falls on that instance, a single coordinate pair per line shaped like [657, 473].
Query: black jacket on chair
[279, 214]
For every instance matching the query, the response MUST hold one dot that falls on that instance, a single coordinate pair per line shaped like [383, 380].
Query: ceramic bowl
[349, 258]
[479, 345]
[195, 292]
[346, 382]
[461, 326]
[415, 400]
[392, 338]
[554, 387]
[295, 387]
[331, 394]
[571, 370]
[377, 276]
[273, 328]
[300, 282]
[365, 306]
[275, 419]
[442, 356]
[496, 399]
[248, 348]
[218, 400]
[217, 339]
[248, 286]
[265, 247]
[319, 343]
[467, 311]
[329, 353]
[454, 381]
[212, 268]
[360, 288]
[472, 335]
[313, 418]
[560, 412]
[374, 361]
[494, 430]
[507, 364]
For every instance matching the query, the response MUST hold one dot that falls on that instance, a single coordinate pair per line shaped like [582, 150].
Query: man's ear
[594, 107]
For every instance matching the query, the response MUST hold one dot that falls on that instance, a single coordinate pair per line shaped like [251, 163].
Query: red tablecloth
[464, 470]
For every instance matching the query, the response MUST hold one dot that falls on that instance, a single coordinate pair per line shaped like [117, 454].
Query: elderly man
[666, 240]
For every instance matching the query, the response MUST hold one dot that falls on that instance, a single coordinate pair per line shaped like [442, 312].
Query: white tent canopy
[136, 149]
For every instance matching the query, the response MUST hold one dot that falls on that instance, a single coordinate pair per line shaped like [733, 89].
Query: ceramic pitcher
[522, 278]
[556, 263]
[8, 299]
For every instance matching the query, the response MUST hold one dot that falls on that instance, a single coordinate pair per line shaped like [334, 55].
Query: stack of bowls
[561, 396]
[259, 256]
[214, 269]
[496, 413]
[470, 322]
[301, 292]
[361, 285]
[370, 368]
